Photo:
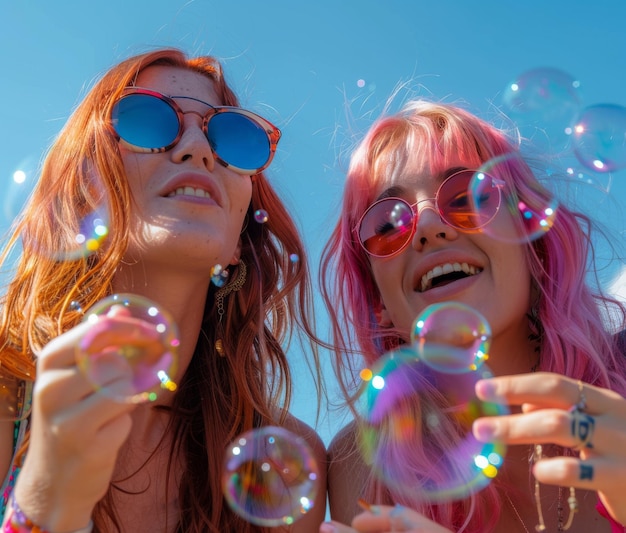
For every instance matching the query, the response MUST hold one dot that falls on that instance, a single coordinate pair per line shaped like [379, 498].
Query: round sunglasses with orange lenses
[467, 200]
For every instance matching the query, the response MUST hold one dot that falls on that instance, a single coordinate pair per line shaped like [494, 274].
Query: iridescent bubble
[529, 218]
[600, 137]
[271, 478]
[15, 397]
[417, 429]
[360, 83]
[130, 352]
[261, 216]
[219, 275]
[544, 103]
[452, 325]
[75, 306]
[294, 258]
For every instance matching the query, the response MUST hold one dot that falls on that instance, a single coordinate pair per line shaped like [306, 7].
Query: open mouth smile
[446, 273]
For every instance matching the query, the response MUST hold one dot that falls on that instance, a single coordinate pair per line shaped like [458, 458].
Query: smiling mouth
[190, 191]
[447, 273]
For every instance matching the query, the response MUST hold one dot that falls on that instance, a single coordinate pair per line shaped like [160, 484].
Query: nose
[430, 228]
[193, 144]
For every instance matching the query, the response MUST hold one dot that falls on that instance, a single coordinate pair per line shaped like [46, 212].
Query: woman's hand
[383, 519]
[76, 431]
[562, 411]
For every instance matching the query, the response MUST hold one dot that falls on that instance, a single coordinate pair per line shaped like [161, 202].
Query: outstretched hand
[76, 431]
[562, 411]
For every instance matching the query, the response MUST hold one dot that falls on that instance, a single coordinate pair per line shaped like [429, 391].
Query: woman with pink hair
[439, 206]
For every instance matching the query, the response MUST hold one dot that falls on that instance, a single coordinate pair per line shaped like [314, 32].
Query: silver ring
[581, 405]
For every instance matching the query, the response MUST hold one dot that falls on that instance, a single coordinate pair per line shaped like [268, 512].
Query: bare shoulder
[344, 443]
[311, 521]
[347, 475]
[302, 429]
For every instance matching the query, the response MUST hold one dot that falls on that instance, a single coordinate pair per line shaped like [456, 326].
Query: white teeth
[189, 191]
[447, 268]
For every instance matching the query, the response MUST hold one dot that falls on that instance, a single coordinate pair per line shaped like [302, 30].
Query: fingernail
[398, 519]
[485, 389]
[397, 510]
[484, 430]
[327, 527]
[374, 509]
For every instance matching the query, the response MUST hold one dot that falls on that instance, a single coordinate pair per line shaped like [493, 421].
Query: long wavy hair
[219, 397]
[570, 320]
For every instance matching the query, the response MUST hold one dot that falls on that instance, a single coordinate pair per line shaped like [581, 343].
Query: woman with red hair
[161, 143]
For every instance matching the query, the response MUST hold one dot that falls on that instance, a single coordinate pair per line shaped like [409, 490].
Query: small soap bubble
[294, 258]
[452, 325]
[131, 351]
[417, 428]
[219, 275]
[600, 138]
[261, 216]
[271, 477]
[75, 306]
[360, 83]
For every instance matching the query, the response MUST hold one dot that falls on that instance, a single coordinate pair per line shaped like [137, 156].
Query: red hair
[219, 397]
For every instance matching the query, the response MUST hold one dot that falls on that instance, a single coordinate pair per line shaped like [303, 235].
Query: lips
[445, 273]
[193, 185]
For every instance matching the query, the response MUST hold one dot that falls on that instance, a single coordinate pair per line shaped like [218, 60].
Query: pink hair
[575, 340]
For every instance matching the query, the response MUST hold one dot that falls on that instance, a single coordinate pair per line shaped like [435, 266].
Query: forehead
[177, 81]
[415, 175]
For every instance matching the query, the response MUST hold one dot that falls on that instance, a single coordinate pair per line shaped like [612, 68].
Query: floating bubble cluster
[547, 107]
[420, 403]
[417, 430]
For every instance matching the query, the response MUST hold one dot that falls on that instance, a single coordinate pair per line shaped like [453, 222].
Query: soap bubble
[452, 325]
[600, 137]
[417, 430]
[544, 103]
[270, 477]
[131, 351]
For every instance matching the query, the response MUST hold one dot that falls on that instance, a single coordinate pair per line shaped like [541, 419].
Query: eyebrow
[398, 190]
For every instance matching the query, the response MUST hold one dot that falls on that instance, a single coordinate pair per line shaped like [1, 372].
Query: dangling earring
[234, 286]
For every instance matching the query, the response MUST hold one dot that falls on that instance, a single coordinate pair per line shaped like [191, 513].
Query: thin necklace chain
[516, 512]
[541, 525]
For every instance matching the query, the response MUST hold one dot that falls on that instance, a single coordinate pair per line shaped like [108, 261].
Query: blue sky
[299, 64]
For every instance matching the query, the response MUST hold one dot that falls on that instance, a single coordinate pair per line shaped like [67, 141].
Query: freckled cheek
[138, 170]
